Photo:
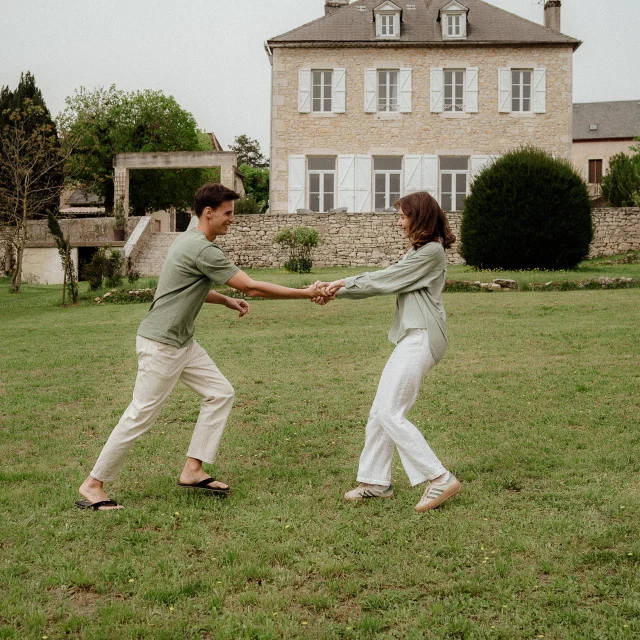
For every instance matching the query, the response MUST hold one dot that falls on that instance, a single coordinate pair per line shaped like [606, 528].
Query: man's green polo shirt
[192, 265]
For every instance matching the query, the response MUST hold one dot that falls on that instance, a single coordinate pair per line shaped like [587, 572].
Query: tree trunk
[16, 278]
[66, 269]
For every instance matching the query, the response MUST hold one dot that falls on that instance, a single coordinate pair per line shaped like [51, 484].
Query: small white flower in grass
[177, 513]
[629, 554]
[170, 608]
[132, 579]
[305, 623]
[287, 526]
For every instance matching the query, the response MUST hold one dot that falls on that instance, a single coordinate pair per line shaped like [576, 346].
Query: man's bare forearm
[213, 297]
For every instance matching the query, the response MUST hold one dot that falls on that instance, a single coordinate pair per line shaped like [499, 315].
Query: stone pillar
[227, 176]
[121, 188]
[172, 218]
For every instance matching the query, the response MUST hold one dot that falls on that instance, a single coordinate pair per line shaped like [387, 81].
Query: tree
[12, 100]
[31, 158]
[110, 121]
[64, 249]
[621, 183]
[248, 152]
[527, 210]
[256, 185]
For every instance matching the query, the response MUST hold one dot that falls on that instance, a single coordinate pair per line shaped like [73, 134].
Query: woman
[420, 335]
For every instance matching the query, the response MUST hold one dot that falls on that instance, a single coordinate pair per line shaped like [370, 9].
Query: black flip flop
[203, 485]
[85, 504]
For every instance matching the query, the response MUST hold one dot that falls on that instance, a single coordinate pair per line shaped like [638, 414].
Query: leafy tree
[248, 152]
[28, 93]
[621, 184]
[110, 121]
[527, 210]
[64, 249]
[256, 185]
[31, 157]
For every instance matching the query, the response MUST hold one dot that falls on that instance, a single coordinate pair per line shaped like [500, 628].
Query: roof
[353, 25]
[613, 119]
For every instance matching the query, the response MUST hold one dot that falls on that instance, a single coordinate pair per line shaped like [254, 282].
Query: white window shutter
[430, 175]
[540, 90]
[472, 90]
[339, 77]
[478, 163]
[504, 90]
[412, 174]
[363, 170]
[370, 90]
[304, 90]
[347, 182]
[437, 90]
[297, 181]
[404, 82]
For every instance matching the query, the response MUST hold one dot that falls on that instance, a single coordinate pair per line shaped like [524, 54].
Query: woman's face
[404, 223]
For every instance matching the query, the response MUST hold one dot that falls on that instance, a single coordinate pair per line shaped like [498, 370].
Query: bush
[113, 268]
[300, 242]
[247, 205]
[621, 183]
[104, 266]
[527, 211]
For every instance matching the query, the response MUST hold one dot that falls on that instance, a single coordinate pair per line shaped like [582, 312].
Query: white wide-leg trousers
[160, 366]
[388, 426]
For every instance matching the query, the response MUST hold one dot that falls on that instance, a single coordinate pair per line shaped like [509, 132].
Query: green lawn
[535, 408]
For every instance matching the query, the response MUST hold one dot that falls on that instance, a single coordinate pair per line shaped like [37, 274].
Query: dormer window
[453, 18]
[387, 18]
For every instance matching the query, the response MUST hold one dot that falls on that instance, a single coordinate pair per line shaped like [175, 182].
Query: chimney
[331, 6]
[552, 14]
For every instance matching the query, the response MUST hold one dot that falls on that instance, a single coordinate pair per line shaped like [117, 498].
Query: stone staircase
[152, 256]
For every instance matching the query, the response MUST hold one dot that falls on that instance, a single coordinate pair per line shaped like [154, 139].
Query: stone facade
[615, 231]
[486, 132]
[84, 232]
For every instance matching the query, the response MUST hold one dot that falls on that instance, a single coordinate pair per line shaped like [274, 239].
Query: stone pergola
[224, 160]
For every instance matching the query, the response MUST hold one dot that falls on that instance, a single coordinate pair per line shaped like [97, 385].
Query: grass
[535, 408]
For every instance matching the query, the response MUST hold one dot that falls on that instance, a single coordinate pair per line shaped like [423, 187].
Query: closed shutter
[370, 80]
[404, 81]
[296, 183]
[437, 90]
[540, 90]
[363, 169]
[412, 174]
[339, 90]
[472, 90]
[304, 90]
[478, 163]
[430, 175]
[346, 182]
[504, 90]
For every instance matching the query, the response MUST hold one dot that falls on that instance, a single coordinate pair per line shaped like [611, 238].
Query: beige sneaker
[363, 491]
[437, 492]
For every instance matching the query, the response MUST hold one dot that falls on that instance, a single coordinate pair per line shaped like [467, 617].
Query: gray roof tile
[613, 119]
[353, 26]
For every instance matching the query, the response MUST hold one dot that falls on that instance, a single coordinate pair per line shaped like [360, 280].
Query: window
[454, 90]
[387, 25]
[322, 183]
[322, 90]
[453, 25]
[595, 171]
[454, 177]
[387, 17]
[521, 89]
[388, 178]
[387, 90]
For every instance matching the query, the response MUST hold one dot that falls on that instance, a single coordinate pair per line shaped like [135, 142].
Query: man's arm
[242, 282]
[241, 306]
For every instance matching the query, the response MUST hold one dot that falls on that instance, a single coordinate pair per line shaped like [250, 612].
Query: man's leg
[201, 375]
[159, 368]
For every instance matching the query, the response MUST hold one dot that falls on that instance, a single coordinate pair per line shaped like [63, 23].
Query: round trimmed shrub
[527, 210]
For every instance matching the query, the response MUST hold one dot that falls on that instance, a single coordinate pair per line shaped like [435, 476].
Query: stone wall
[615, 231]
[87, 232]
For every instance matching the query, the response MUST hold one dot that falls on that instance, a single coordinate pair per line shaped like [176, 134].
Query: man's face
[219, 220]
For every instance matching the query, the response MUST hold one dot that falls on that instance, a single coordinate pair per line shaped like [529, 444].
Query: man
[167, 352]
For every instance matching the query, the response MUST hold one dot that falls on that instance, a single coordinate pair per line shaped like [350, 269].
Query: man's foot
[92, 490]
[437, 492]
[198, 481]
[363, 491]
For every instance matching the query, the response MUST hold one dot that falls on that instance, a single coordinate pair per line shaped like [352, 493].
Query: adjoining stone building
[600, 131]
[380, 98]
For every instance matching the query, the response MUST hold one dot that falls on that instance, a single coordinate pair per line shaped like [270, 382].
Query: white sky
[209, 54]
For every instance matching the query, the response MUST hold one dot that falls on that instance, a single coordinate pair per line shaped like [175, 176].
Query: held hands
[325, 292]
[235, 304]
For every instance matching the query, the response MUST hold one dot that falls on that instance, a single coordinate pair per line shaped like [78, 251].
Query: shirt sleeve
[408, 275]
[215, 265]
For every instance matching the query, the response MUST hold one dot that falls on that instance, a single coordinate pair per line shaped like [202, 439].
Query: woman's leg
[377, 454]
[397, 393]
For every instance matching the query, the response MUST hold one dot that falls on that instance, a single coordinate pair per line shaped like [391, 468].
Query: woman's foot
[92, 490]
[363, 491]
[436, 492]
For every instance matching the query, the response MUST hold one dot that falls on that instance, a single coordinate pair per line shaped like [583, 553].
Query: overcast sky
[209, 54]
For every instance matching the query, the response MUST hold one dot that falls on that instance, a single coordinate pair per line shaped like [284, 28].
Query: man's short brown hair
[212, 195]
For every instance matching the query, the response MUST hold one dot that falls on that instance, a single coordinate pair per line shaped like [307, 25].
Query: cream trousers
[388, 427]
[160, 366]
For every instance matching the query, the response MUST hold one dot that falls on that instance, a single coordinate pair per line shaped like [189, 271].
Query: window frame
[393, 17]
[453, 97]
[322, 193]
[453, 173]
[323, 87]
[521, 87]
[388, 106]
[387, 173]
[595, 160]
[452, 21]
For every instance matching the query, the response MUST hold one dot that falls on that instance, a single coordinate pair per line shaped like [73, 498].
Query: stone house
[601, 130]
[380, 98]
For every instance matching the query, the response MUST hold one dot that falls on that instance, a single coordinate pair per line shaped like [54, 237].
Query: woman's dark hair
[212, 195]
[428, 223]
